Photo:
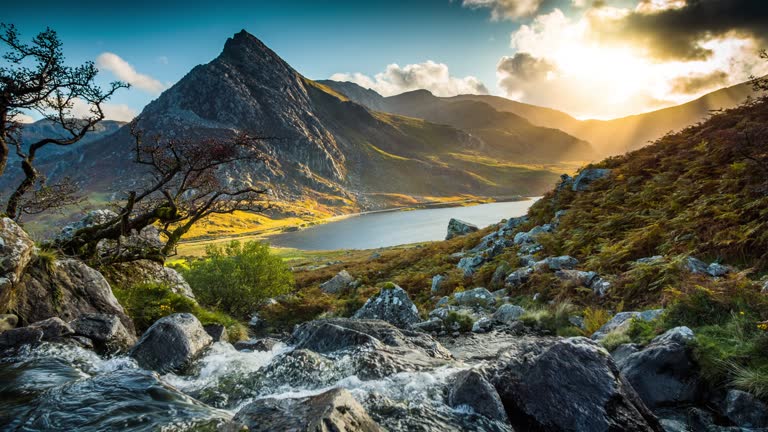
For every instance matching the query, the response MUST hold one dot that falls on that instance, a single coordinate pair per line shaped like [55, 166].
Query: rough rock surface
[459, 228]
[263, 344]
[745, 410]
[20, 336]
[472, 390]
[567, 384]
[588, 176]
[392, 305]
[332, 411]
[437, 281]
[16, 249]
[171, 343]
[337, 283]
[107, 332]
[146, 271]
[622, 319]
[478, 297]
[508, 313]
[53, 328]
[217, 332]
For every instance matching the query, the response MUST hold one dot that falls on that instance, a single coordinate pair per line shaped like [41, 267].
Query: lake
[382, 229]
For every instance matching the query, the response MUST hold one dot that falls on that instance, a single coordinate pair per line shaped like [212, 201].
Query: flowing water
[391, 228]
[66, 388]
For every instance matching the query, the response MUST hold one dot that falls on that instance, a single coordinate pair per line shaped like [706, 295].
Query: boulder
[470, 263]
[144, 271]
[577, 277]
[8, 321]
[107, 332]
[53, 328]
[92, 218]
[697, 266]
[518, 277]
[392, 305]
[623, 351]
[530, 236]
[471, 389]
[217, 332]
[564, 262]
[337, 283]
[513, 223]
[600, 286]
[20, 336]
[444, 301]
[458, 228]
[332, 411]
[16, 249]
[745, 410]
[66, 289]
[483, 325]
[171, 343]
[508, 313]
[650, 260]
[549, 385]
[263, 344]
[434, 324]
[476, 297]
[717, 270]
[588, 176]
[499, 276]
[437, 282]
[664, 373]
[622, 320]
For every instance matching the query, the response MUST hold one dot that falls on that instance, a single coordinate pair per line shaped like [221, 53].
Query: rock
[600, 286]
[392, 305]
[664, 373]
[143, 271]
[559, 263]
[337, 283]
[477, 297]
[92, 218]
[558, 215]
[107, 332]
[717, 270]
[483, 325]
[508, 313]
[263, 344]
[437, 281]
[587, 176]
[513, 223]
[472, 390]
[217, 332]
[567, 385]
[444, 301]
[8, 321]
[67, 289]
[458, 228]
[622, 320]
[577, 277]
[518, 277]
[470, 263]
[499, 276]
[433, 324]
[530, 236]
[171, 343]
[650, 260]
[16, 249]
[577, 321]
[623, 351]
[332, 411]
[53, 328]
[17, 337]
[745, 410]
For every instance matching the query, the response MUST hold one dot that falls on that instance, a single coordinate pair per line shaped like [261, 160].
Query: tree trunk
[30, 176]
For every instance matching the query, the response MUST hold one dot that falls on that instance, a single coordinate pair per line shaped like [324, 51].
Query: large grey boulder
[335, 410]
[437, 282]
[622, 320]
[665, 372]
[145, 271]
[745, 410]
[107, 332]
[508, 313]
[471, 389]
[458, 228]
[53, 328]
[171, 343]
[588, 176]
[392, 305]
[564, 262]
[518, 277]
[697, 266]
[476, 297]
[16, 249]
[337, 283]
[549, 385]
[470, 263]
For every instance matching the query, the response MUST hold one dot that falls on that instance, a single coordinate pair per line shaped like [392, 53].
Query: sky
[590, 58]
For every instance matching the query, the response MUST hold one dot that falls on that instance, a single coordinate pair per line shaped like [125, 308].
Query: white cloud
[23, 118]
[121, 112]
[125, 72]
[506, 9]
[429, 75]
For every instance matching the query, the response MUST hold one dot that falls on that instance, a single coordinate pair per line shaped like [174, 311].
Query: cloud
[525, 67]
[120, 112]
[699, 82]
[429, 75]
[506, 9]
[23, 118]
[125, 72]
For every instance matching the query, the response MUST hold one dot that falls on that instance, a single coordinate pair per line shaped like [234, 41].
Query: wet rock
[622, 320]
[588, 176]
[469, 264]
[171, 343]
[337, 283]
[8, 321]
[16, 249]
[20, 336]
[567, 384]
[263, 344]
[332, 411]
[483, 325]
[106, 331]
[664, 373]
[437, 282]
[144, 271]
[518, 277]
[53, 328]
[392, 305]
[472, 390]
[745, 410]
[477, 297]
[217, 332]
[508, 313]
[458, 228]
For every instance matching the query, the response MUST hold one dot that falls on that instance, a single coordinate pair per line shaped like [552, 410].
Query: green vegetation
[458, 322]
[238, 278]
[47, 257]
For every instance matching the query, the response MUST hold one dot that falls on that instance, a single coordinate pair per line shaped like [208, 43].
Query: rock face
[67, 289]
[16, 250]
[392, 305]
[458, 228]
[333, 411]
[264, 344]
[337, 283]
[587, 176]
[20, 336]
[53, 328]
[145, 271]
[472, 390]
[171, 343]
[107, 332]
[745, 410]
[567, 384]
[217, 332]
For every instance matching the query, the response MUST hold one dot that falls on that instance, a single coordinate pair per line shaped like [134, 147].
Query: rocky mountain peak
[246, 47]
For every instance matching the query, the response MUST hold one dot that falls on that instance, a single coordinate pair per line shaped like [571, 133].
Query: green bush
[459, 321]
[238, 278]
[612, 340]
[552, 318]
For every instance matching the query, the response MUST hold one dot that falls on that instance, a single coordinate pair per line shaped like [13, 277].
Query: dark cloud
[675, 34]
[525, 67]
[697, 83]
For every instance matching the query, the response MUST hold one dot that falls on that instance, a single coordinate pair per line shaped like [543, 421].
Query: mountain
[608, 137]
[45, 128]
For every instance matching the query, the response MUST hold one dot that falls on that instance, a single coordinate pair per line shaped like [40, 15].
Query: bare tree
[34, 78]
[186, 186]
[760, 83]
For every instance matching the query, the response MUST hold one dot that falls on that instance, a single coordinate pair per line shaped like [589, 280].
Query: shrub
[458, 322]
[594, 318]
[612, 340]
[238, 278]
[306, 305]
[552, 318]
[642, 332]
[47, 257]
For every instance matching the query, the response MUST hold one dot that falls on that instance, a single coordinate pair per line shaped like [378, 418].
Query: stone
[717, 270]
[550, 385]
[600, 286]
[508, 313]
[263, 344]
[458, 228]
[335, 410]
[530, 236]
[434, 324]
[17, 337]
[476, 297]
[664, 373]
[171, 343]
[513, 223]
[623, 351]
[217, 332]
[16, 251]
[483, 325]
[518, 277]
[588, 176]
[745, 410]
[337, 283]
[470, 263]
[564, 262]
[622, 321]
[650, 260]
[392, 305]
[107, 332]
[444, 301]
[695, 266]
[8, 321]
[53, 328]
[92, 218]
[143, 271]
[577, 277]
[499, 276]
[437, 281]
[577, 321]
[471, 389]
